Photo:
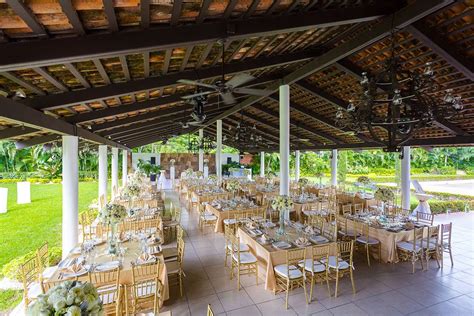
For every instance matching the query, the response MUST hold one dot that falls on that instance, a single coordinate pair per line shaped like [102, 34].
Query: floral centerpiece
[71, 298]
[283, 204]
[320, 175]
[233, 186]
[363, 182]
[112, 214]
[199, 174]
[188, 172]
[133, 190]
[385, 195]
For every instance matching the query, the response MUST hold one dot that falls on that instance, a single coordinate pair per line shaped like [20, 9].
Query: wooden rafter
[110, 13]
[24, 12]
[73, 17]
[77, 75]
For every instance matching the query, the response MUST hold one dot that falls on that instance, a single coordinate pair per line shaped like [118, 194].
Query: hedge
[441, 207]
[12, 269]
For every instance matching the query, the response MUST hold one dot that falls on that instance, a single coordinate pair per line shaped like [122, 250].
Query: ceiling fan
[226, 89]
[197, 114]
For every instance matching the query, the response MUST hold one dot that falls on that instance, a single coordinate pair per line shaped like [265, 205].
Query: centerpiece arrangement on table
[233, 186]
[365, 183]
[283, 204]
[302, 183]
[112, 214]
[384, 195]
[71, 298]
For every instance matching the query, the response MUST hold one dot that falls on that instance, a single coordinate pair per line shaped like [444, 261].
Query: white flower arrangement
[363, 180]
[384, 194]
[199, 174]
[188, 172]
[233, 186]
[206, 162]
[172, 161]
[282, 202]
[112, 213]
[133, 190]
[71, 298]
[212, 177]
[247, 172]
[303, 182]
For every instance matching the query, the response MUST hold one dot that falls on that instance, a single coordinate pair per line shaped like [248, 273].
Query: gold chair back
[425, 218]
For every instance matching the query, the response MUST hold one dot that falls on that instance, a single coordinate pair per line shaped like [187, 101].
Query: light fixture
[396, 103]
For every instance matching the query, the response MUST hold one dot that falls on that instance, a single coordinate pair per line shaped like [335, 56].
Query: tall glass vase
[112, 241]
[284, 215]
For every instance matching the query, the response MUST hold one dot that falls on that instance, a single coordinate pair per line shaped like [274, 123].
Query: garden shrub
[12, 269]
[444, 170]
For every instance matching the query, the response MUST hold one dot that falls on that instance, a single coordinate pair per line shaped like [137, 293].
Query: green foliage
[147, 167]
[9, 299]
[227, 166]
[441, 207]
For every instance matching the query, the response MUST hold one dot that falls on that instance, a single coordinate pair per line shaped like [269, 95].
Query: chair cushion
[341, 265]
[245, 258]
[170, 252]
[243, 247]
[49, 271]
[172, 267]
[34, 290]
[407, 246]
[370, 241]
[317, 266]
[208, 217]
[282, 270]
[348, 233]
[230, 221]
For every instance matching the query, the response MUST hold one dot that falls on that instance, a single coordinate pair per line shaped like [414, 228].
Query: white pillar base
[3, 200]
[23, 191]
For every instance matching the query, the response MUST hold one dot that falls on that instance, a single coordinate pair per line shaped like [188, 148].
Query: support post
[405, 178]
[102, 175]
[124, 167]
[284, 140]
[70, 194]
[297, 165]
[334, 168]
[262, 164]
[201, 152]
[115, 173]
[219, 151]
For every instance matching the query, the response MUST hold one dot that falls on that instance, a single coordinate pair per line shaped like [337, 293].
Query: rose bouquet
[112, 213]
[71, 298]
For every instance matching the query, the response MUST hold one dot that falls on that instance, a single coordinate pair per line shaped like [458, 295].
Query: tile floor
[382, 289]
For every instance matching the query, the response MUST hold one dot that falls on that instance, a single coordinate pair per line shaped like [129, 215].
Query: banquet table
[269, 257]
[132, 253]
[300, 207]
[222, 215]
[388, 240]
[198, 198]
[262, 196]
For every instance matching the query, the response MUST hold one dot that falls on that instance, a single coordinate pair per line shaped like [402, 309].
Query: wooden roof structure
[107, 71]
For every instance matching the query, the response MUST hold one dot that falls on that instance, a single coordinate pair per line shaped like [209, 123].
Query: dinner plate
[68, 274]
[319, 239]
[107, 266]
[281, 245]
[255, 232]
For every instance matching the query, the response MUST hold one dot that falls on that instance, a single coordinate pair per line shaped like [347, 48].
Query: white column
[103, 171]
[297, 165]
[334, 168]
[285, 140]
[262, 164]
[201, 152]
[70, 194]
[124, 167]
[219, 151]
[405, 178]
[114, 171]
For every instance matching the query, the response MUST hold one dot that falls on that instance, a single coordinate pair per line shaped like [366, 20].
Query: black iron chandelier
[395, 103]
[206, 144]
[244, 135]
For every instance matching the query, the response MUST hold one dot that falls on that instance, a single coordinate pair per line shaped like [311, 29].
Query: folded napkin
[153, 239]
[107, 265]
[146, 258]
[309, 230]
[301, 241]
[75, 268]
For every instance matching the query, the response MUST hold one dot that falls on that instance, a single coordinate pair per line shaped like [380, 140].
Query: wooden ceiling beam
[442, 48]
[22, 114]
[110, 13]
[262, 131]
[176, 12]
[11, 132]
[72, 69]
[55, 82]
[22, 83]
[126, 71]
[101, 70]
[402, 18]
[203, 11]
[73, 17]
[18, 55]
[88, 95]
[23, 11]
[145, 13]
[38, 140]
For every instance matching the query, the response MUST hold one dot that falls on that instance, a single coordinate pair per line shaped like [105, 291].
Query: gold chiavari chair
[329, 231]
[345, 232]
[431, 245]
[343, 263]
[347, 209]
[290, 274]
[29, 276]
[412, 250]
[445, 241]
[46, 285]
[229, 232]
[109, 289]
[209, 310]
[425, 218]
[206, 219]
[367, 242]
[358, 208]
[316, 267]
[146, 288]
[171, 253]
[244, 262]
[175, 268]
[45, 271]
[102, 201]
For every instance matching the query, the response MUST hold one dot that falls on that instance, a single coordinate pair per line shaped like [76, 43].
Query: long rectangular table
[222, 215]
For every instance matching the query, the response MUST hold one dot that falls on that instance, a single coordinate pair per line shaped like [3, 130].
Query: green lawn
[25, 227]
